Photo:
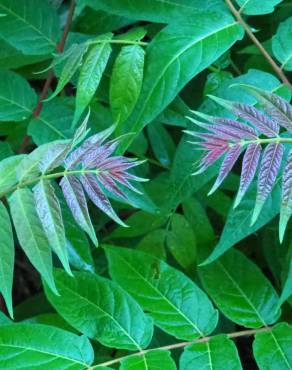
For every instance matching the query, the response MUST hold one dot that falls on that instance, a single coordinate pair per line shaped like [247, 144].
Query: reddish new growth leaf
[255, 129]
[93, 170]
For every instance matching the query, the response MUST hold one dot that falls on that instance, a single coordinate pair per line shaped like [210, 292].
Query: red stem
[60, 47]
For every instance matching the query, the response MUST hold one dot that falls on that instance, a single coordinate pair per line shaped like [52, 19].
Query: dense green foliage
[112, 253]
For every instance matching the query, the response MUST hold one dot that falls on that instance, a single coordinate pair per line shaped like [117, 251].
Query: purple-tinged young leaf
[221, 131]
[92, 142]
[249, 166]
[97, 196]
[49, 212]
[210, 158]
[109, 184]
[269, 168]
[245, 130]
[286, 206]
[278, 108]
[76, 200]
[98, 154]
[263, 123]
[55, 156]
[229, 161]
[239, 129]
[123, 178]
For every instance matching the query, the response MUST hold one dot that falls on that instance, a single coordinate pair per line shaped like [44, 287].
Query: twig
[238, 334]
[257, 43]
[50, 76]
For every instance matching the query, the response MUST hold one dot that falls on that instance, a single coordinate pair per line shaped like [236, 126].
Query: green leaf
[152, 360]
[196, 215]
[36, 346]
[166, 59]
[154, 243]
[244, 294]
[239, 219]
[49, 212]
[100, 309]
[90, 74]
[70, 67]
[17, 98]
[287, 288]
[181, 241]
[11, 57]
[5, 150]
[176, 304]
[156, 10]
[8, 177]
[139, 224]
[161, 142]
[54, 122]
[6, 258]
[254, 7]
[217, 353]
[30, 233]
[281, 44]
[29, 25]
[272, 349]
[126, 81]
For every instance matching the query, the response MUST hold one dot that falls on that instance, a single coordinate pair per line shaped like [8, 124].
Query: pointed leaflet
[49, 212]
[278, 108]
[217, 353]
[90, 74]
[176, 304]
[31, 235]
[70, 67]
[152, 360]
[100, 309]
[262, 122]
[89, 146]
[286, 205]
[287, 288]
[78, 247]
[58, 152]
[272, 349]
[249, 166]
[244, 295]
[228, 162]
[6, 258]
[239, 219]
[75, 198]
[36, 346]
[174, 57]
[269, 168]
[93, 190]
[126, 77]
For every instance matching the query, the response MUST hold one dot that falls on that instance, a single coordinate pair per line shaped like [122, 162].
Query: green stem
[234, 335]
[50, 176]
[277, 139]
[127, 42]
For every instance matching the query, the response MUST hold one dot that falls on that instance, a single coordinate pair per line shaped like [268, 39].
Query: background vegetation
[95, 97]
